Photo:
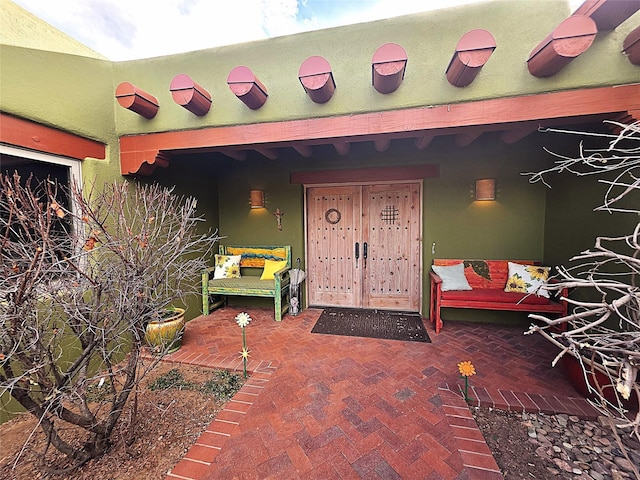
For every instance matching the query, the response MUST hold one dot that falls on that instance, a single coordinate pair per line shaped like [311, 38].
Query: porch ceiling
[514, 118]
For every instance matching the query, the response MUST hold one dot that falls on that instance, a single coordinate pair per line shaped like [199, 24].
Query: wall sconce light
[486, 189]
[257, 199]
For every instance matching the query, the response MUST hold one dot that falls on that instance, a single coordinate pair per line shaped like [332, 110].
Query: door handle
[357, 253]
[364, 254]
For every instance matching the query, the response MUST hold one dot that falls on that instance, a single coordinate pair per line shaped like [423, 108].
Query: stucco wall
[20, 28]
[511, 227]
[429, 40]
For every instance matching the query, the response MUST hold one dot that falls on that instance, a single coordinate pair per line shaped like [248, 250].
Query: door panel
[333, 228]
[391, 225]
[385, 218]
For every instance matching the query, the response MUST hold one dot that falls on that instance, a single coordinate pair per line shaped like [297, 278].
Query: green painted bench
[216, 291]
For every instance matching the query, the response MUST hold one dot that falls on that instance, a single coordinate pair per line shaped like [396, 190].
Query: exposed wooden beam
[304, 150]
[467, 138]
[439, 120]
[382, 144]
[423, 142]
[270, 153]
[516, 134]
[343, 148]
[608, 14]
[235, 154]
[27, 134]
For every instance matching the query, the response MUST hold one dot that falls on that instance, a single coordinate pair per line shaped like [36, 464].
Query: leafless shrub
[77, 289]
[605, 328]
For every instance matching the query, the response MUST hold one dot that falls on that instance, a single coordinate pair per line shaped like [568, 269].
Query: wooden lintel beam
[270, 153]
[304, 150]
[24, 133]
[374, 174]
[423, 142]
[381, 144]
[343, 148]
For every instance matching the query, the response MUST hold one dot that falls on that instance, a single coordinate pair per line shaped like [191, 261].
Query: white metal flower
[245, 353]
[243, 319]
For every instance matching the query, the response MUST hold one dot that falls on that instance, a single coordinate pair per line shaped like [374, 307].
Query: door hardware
[364, 255]
[357, 253]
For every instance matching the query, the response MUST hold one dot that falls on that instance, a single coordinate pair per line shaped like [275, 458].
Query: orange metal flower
[466, 369]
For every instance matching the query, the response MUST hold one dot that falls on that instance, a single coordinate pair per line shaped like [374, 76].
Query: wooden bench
[249, 284]
[488, 291]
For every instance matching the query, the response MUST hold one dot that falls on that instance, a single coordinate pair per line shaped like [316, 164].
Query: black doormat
[372, 324]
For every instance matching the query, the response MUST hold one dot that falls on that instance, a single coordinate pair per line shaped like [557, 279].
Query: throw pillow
[528, 279]
[271, 267]
[227, 266]
[452, 277]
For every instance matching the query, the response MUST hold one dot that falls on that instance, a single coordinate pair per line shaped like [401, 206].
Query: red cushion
[494, 295]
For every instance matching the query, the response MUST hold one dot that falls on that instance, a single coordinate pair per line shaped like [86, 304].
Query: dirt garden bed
[169, 422]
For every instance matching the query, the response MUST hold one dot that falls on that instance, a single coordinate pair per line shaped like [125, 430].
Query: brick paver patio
[331, 407]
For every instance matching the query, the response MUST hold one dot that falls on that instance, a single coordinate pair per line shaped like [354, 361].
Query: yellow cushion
[271, 267]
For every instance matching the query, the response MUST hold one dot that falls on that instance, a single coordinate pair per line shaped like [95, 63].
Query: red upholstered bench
[488, 278]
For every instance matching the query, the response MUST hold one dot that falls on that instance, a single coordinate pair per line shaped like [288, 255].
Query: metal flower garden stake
[466, 370]
[243, 320]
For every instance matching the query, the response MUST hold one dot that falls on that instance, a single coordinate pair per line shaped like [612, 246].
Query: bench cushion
[452, 276]
[493, 295]
[244, 282]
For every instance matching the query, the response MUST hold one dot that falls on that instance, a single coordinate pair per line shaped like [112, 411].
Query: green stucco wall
[429, 39]
[20, 28]
[511, 227]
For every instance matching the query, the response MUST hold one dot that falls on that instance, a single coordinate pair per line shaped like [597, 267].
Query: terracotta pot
[576, 377]
[165, 335]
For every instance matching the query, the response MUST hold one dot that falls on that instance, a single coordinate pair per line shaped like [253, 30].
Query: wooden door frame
[420, 183]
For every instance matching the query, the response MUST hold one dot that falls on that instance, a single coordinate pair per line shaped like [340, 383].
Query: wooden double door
[364, 246]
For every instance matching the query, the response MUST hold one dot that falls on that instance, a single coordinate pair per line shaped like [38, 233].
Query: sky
[133, 29]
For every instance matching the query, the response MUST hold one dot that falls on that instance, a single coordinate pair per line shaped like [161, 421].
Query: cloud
[131, 29]
[112, 22]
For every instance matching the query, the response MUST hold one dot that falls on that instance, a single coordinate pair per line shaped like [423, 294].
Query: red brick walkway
[331, 407]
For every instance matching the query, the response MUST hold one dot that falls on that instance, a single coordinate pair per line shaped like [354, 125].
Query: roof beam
[382, 144]
[342, 147]
[27, 134]
[304, 150]
[270, 153]
[467, 138]
[235, 154]
[421, 121]
[423, 142]
[516, 134]
[608, 14]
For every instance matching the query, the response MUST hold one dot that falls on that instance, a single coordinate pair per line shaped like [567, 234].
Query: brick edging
[198, 459]
[477, 458]
[533, 403]
[472, 447]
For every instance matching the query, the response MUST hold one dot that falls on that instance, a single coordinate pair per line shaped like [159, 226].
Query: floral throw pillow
[227, 266]
[528, 279]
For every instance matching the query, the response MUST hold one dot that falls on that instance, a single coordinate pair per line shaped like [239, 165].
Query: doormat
[384, 324]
